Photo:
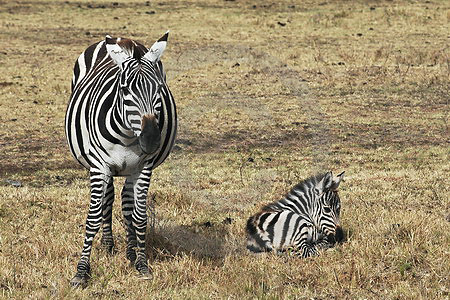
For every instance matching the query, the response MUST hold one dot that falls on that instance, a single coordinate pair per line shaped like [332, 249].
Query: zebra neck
[303, 202]
[315, 212]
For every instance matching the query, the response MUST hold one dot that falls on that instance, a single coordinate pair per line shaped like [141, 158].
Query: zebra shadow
[211, 243]
[206, 241]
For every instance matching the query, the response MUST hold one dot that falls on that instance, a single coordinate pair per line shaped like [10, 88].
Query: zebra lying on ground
[304, 221]
[120, 121]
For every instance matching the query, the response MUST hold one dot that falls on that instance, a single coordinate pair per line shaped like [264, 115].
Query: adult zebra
[305, 220]
[120, 121]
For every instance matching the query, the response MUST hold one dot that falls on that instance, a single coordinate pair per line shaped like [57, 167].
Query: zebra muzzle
[339, 234]
[150, 137]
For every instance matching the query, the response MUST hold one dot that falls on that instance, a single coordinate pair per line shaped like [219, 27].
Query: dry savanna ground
[268, 93]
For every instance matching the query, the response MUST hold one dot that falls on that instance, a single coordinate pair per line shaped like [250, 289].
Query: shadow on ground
[202, 241]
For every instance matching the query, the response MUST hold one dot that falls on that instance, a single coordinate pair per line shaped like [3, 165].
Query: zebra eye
[125, 90]
[327, 209]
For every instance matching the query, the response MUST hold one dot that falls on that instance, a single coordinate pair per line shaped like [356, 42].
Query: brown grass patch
[267, 94]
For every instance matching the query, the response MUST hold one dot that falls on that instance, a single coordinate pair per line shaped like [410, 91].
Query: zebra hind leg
[255, 242]
[107, 240]
[99, 183]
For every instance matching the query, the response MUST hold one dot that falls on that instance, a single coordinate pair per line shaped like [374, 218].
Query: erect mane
[309, 182]
[132, 47]
[302, 187]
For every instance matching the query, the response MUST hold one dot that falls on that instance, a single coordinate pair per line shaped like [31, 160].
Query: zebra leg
[307, 250]
[99, 183]
[323, 244]
[127, 211]
[139, 221]
[255, 241]
[107, 240]
[303, 242]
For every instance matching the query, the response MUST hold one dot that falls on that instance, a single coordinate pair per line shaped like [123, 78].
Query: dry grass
[267, 94]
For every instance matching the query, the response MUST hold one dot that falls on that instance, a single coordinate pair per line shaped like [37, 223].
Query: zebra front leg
[304, 241]
[107, 240]
[323, 244]
[127, 211]
[139, 219]
[99, 183]
[307, 250]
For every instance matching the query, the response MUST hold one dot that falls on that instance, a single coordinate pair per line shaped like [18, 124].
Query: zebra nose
[339, 234]
[150, 137]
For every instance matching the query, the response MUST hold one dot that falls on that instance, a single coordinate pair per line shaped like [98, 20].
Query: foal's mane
[307, 183]
[302, 187]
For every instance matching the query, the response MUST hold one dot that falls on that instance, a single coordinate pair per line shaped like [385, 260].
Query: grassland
[268, 93]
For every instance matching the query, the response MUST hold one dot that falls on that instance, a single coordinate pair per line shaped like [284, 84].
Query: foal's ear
[325, 183]
[157, 50]
[336, 181]
[117, 53]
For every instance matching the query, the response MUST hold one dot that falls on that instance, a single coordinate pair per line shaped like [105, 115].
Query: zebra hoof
[144, 271]
[145, 276]
[79, 281]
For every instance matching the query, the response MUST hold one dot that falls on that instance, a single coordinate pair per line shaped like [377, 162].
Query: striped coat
[120, 121]
[86, 133]
[305, 220]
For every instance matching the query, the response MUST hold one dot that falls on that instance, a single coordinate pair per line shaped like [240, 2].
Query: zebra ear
[336, 181]
[116, 52]
[325, 183]
[156, 51]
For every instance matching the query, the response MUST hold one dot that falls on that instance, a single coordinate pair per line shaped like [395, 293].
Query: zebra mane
[308, 183]
[301, 188]
[133, 48]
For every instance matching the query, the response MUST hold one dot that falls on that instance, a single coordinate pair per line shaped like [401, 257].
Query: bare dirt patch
[30, 154]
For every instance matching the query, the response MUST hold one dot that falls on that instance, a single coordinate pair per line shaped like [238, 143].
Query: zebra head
[139, 88]
[329, 207]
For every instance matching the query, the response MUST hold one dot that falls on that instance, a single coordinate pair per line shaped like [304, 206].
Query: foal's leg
[304, 240]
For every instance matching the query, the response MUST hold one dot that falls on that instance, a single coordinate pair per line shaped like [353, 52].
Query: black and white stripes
[120, 121]
[305, 220]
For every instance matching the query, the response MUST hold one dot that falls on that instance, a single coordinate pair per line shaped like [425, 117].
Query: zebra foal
[305, 220]
[120, 121]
